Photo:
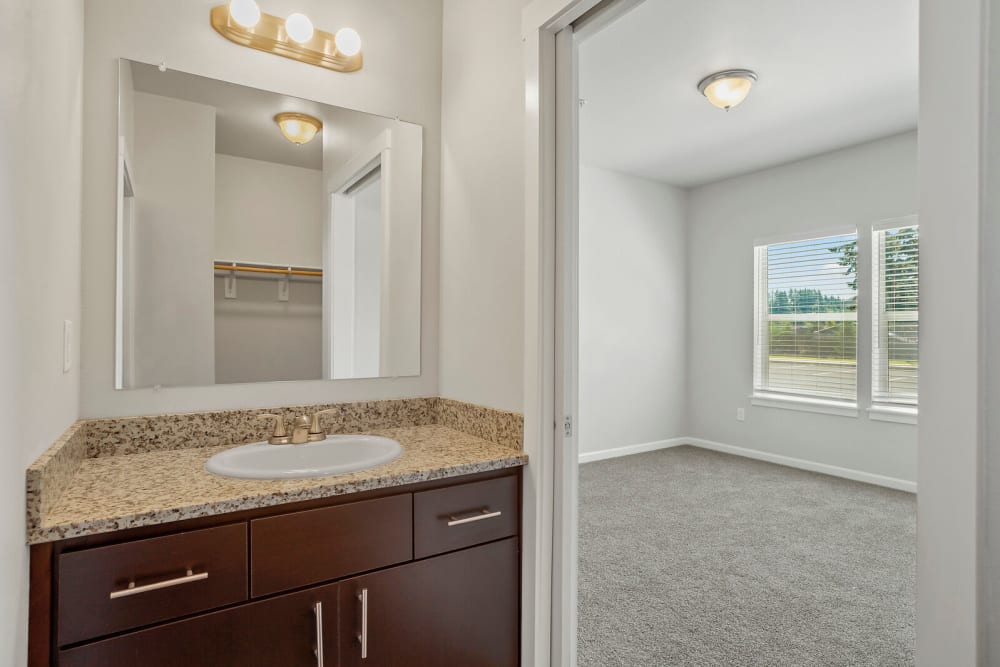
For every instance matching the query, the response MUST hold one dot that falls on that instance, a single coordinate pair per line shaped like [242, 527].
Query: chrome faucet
[304, 429]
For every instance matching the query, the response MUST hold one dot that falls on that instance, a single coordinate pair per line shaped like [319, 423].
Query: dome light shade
[298, 128]
[245, 12]
[728, 88]
[348, 41]
[299, 27]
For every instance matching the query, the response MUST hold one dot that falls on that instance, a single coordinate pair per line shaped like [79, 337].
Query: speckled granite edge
[499, 426]
[38, 534]
[52, 472]
[138, 435]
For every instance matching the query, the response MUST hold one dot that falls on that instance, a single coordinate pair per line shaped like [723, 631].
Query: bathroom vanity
[424, 574]
[141, 556]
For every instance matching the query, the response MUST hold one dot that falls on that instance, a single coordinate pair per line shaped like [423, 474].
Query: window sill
[893, 413]
[805, 404]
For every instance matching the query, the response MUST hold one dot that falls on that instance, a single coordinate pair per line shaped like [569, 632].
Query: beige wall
[261, 339]
[401, 77]
[174, 181]
[268, 213]
[482, 203]
[41, 46]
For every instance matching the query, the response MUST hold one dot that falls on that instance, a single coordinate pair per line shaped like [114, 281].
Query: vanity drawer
[461, 516]
[304, 548]
[122, 586]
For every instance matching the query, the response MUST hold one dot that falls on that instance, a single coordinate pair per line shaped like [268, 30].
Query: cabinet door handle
[135, 590]
[318, 610]
[478, 516]
[363, 636]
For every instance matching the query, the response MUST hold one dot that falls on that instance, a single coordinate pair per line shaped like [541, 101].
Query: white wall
[174, 172]
[482, 203]
[633, 295]
[854, 186]
[41, 46]
[268, 213]
[401, 77]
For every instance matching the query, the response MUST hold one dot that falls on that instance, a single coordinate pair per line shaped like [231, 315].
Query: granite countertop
[112, 493]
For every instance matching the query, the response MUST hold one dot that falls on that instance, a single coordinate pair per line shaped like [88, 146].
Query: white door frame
[376, 154]
[950, 615]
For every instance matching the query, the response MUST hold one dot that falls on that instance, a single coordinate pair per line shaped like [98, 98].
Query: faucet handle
[315, 429]
[280, 435]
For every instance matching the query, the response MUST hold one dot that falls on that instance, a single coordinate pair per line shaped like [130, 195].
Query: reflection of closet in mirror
[268, 214]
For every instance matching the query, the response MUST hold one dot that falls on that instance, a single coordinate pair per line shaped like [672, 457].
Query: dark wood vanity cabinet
[427, 574]
[279, 631]
[456, 609]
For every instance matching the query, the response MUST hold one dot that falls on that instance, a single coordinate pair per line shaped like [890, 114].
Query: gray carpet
[691, 557]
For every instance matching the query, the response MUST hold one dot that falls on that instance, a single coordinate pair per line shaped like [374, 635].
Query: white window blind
[806, 320]
[895, 315]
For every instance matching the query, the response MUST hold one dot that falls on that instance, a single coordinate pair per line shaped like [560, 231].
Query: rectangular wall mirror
[253, 252]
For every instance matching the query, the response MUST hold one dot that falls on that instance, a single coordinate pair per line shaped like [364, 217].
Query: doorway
[549, 49]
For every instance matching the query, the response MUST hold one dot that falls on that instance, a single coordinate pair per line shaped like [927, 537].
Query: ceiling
[245, 126]
[831, 74]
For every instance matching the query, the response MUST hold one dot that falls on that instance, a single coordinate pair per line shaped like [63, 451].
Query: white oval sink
[333, 456]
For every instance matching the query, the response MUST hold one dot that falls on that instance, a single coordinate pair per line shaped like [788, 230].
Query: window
[806, 319]
[895, 321]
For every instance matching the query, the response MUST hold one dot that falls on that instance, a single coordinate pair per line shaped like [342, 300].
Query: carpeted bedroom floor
[690, 557]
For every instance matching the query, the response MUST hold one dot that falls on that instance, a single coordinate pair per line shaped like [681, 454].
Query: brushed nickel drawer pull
[318, 610]
[135, 590]
[482, 514]
[363, 637]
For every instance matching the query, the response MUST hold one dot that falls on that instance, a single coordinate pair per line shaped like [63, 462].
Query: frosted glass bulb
[727, 88]
[245, 12]
[298, 128]
[727, 93]
[299, 27]
[348, 41]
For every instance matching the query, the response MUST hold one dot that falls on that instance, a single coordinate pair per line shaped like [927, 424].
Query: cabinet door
[456, 609]
[280, 632]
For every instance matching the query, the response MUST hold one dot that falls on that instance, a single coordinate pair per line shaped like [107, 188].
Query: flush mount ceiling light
[727, 88]
[298, 128]
[242, 22]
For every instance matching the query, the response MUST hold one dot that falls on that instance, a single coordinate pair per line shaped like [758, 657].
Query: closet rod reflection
[260, 269]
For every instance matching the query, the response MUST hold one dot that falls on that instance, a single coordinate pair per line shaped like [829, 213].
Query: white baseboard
[587, 457]
[802, 464]
[826, 469]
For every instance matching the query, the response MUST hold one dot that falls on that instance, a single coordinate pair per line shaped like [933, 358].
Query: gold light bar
[269, 35]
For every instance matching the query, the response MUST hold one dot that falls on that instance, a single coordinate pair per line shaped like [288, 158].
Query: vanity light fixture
[727, 88]
[294, 37]
[298, 128]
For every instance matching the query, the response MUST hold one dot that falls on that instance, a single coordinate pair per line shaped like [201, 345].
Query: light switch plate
[67, 346]
[741, 414]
